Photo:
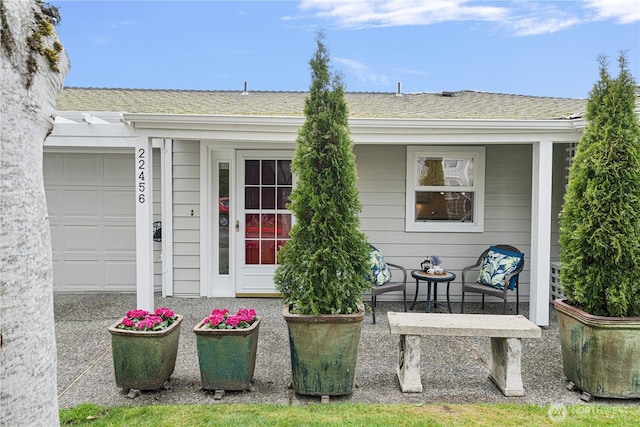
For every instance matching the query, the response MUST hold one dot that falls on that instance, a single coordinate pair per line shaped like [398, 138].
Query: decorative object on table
[500, 268]
[381, 278]
[323, 268]
[145, 347]
[599, 320]
[227, 347]
[432, 265]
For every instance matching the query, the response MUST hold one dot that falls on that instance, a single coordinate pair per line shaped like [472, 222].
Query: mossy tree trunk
[323, 267]
[600, 218]
[32, 69]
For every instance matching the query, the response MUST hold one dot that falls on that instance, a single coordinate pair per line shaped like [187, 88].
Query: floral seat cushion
[380, 272]
[497, 265]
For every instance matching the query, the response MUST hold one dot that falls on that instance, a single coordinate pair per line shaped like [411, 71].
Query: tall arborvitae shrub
[323, 267]
[600, 219]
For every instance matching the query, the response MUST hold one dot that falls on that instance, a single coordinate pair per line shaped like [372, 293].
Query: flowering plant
[435, 260]
[221, 319]
[142, 320]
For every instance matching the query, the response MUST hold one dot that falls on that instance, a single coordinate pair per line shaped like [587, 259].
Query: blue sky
[542, 48]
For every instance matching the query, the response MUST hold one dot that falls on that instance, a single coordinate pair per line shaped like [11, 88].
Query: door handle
[237, 225]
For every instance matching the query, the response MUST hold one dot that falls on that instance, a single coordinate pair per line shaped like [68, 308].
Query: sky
[540, 48]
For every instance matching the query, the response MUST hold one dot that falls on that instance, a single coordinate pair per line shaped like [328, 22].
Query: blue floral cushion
[498, 264]
[380, 271]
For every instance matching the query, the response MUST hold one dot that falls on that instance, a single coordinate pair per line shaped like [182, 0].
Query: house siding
[157, 216]
[381, 172]
[186, 218]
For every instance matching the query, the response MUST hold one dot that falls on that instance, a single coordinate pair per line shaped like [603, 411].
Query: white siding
[186, 218]
[381, 172]
[157, 216]
[559, 171]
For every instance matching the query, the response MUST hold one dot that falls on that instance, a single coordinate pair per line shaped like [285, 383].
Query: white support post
[166, 182]
[144, 221]
[540, 232]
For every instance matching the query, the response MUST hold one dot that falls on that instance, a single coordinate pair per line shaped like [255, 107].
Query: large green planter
[600, 355]
[144, 360]
[227, 357]
[324, 350]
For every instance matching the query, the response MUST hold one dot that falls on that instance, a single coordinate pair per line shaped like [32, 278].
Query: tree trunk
[31, 75]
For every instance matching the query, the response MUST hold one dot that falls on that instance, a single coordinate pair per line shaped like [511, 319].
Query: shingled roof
[445, 105]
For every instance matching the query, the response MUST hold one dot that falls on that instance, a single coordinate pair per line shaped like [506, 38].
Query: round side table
[446, 277]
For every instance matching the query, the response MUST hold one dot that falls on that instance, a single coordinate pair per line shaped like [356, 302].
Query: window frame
[477, 153]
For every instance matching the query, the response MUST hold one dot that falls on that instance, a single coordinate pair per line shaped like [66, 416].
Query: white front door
[263, 222]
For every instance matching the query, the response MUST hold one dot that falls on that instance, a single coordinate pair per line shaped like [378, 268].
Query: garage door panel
[82, 275]
[118, 171]
[81, 203]
[56, 239]
[118, 204]
[51, 169]
[118, 275]
[81, 169]
[119, 239]
[82, 239]
[92, 218]
[54, 203]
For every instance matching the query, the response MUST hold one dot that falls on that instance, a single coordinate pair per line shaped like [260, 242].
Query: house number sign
[141, 173]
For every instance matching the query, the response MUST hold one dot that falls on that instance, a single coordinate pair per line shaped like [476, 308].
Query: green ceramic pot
[324, 350]
[144, 360]
[600, 354]
[227, 357]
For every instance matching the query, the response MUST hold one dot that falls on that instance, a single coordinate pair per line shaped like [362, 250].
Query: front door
[263, 222]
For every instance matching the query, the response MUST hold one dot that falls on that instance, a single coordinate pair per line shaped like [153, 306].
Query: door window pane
[268, 172]
[268, 222]
[223, 218]
[284, 172]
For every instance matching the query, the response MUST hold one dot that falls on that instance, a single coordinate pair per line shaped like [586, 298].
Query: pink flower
[233, 321]
[142, 320]
[164, 312]
[220, 312]
[137, 314]
[220, 319]
[214, 320]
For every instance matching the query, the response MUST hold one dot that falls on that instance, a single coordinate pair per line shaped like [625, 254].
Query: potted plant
[227, 346]
[599, 319]
[145, 347]
[323, 268]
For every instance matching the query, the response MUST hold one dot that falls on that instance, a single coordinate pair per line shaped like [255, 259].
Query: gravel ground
[453, 369]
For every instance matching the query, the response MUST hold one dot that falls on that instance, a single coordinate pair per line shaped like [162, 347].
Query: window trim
[479, 159]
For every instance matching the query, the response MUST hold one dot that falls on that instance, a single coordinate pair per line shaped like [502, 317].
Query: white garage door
[92, 217]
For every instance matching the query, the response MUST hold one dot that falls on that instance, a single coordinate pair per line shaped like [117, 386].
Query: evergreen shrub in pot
[599, 319]
[323, 269]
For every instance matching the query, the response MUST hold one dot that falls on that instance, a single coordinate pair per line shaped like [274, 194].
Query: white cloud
[388, 13]
[535, 26]
[363, 72]
[624, 11]
[520, 18]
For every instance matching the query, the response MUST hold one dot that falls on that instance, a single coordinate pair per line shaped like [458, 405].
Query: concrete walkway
[453, 369]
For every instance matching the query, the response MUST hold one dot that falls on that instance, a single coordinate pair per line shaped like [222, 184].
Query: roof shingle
[455, 105]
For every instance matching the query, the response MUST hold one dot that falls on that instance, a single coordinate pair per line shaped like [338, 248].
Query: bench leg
[505, 365]
[409, 364]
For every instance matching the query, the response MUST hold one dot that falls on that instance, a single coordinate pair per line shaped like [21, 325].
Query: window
[445, 189]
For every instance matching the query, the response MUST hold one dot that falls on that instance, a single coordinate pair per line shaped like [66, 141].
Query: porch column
[144, 220]
[540, 232]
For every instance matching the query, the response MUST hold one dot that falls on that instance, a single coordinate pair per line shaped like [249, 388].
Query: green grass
[349, 414]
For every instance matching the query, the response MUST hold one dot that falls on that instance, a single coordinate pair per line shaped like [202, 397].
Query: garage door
[92, 217]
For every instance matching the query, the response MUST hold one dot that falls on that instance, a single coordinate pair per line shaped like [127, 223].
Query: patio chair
[381, 279]
[499, 271]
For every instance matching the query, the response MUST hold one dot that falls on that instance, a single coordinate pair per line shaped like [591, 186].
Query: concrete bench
[505, 332]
